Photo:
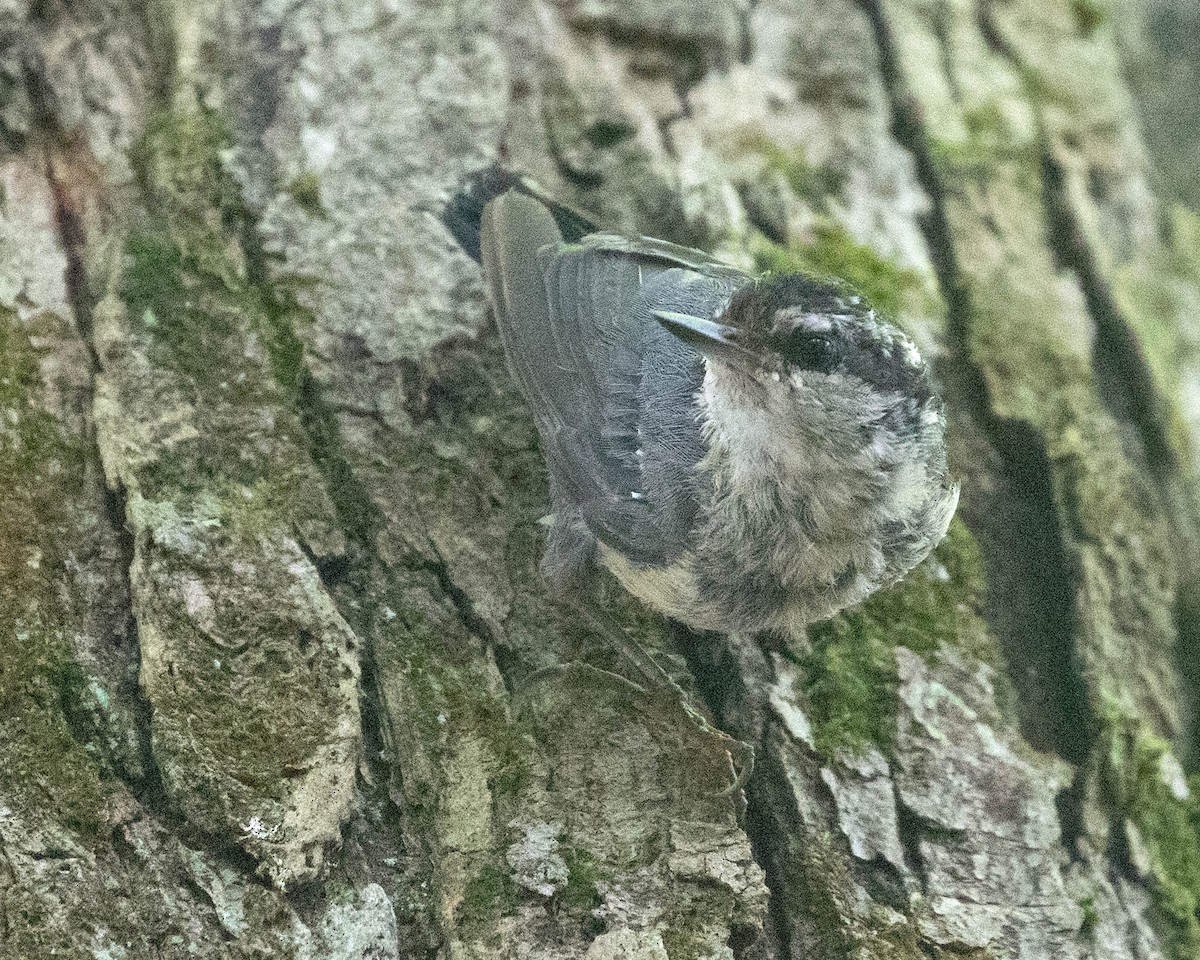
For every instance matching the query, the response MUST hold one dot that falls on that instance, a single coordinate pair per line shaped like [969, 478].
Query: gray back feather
[611, 392]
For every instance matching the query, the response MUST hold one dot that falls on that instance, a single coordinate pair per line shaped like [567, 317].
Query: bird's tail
[463, 213]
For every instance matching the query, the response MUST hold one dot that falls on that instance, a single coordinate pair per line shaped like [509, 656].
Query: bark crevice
[1028, 572]
[145, 783]
[1123, 379]
[310, 372]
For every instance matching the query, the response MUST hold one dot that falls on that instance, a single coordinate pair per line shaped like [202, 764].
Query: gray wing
[612, 393]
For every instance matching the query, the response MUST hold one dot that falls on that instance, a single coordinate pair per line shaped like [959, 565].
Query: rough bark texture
[269, 501]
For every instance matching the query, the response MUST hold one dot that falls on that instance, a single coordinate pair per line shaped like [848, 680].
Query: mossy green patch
[812, 183]
[1117, 552]
[155, 293]
[583, 875]
[1169, 825]
[812, 873]
[179, 168]
[489, 895]
[1089, 16]
[448, 702]
[850, 676]
[195, 300]
[1091, 916]
[188, 279]
[267, 503]
[44, 772]
[991, 143]
[508, 740]
[243, 660]
[357, 514]
[306, 191]
[956, 160]
[685, 941]
[608, 132]
[986, 120]
[1157, 298]
[834, 254]
[261, 723]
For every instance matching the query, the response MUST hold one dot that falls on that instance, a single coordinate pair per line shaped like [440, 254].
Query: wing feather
[512, 231]
[612, 393]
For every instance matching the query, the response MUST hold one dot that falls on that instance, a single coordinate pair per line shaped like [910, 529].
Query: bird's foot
[543, 674]
[670, 695]
[660, 694]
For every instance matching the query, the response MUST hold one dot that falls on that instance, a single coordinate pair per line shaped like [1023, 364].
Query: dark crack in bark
[909, 828]
[1030, 581]
[732, 676]
[62, 155]
[146, 784]
[1123, 379]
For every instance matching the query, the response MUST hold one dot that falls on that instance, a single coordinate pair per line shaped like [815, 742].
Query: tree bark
[270, 502]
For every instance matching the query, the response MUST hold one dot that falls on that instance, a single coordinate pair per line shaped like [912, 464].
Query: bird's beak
[717, 341]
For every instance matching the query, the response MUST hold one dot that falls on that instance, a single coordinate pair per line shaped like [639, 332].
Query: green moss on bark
[850, 675]
[489, 895]
[834, 254]
[248, 668]
[583, 874]
[1089, 16]
[811, 183]
[1166, 813]
[1158, 299]
[45, 773]
[306, 191]
[191, 299]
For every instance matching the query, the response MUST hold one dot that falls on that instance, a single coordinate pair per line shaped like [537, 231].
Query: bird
[742, 453]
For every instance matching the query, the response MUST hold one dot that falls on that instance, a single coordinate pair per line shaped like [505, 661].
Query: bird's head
[799, 368]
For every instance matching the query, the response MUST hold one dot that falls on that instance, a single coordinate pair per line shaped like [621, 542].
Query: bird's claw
[543, 674]
[743, 771]
[739, 753]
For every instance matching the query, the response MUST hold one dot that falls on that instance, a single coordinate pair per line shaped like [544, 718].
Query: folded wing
[612, 393]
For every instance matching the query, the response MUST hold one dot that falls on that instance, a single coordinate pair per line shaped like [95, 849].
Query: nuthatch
[741, 453]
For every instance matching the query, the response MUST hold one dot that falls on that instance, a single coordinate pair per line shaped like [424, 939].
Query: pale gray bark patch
[989, 848]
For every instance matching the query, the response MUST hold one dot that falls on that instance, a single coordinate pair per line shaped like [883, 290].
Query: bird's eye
[810, 351]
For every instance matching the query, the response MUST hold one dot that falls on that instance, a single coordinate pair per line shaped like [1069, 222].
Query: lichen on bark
[48, 775]
[248, 668]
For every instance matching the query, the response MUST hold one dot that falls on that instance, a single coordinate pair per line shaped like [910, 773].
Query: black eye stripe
[811, 351]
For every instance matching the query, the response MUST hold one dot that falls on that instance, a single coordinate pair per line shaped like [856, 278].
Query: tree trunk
[269, 500]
